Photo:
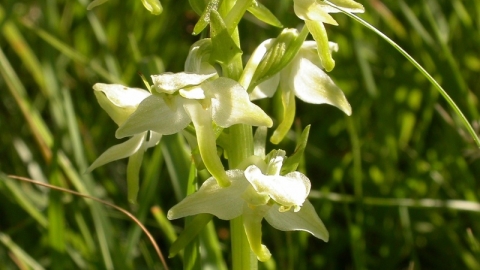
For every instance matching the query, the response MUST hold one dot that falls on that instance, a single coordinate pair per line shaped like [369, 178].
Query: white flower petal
[289, 190]
[313, 85]
[119, 151]
[122, 96]
[225, 203]
[192, 93]
[304, 220]
[231, 105]
[266, 89]
[197, 59]
[314, 11]
[309, 51]
[171, 82]
[119, 101]
[154, 114]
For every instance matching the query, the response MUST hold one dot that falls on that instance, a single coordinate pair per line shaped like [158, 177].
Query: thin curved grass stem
[150, 237]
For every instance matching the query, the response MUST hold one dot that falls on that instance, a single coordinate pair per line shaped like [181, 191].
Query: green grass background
[396, 184]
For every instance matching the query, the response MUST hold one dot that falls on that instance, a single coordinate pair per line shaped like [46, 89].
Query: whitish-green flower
[315, 13]
[182, 98]
[304, 78]
[257, 194]
[120, 102]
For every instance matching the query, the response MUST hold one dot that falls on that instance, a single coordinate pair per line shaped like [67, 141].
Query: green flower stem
[242, 147]
[242, 256]
[420, 68]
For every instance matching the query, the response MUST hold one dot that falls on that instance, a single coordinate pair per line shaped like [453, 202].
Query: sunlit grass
[395, 184]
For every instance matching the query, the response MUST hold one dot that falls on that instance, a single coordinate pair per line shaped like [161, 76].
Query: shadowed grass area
[395, 183]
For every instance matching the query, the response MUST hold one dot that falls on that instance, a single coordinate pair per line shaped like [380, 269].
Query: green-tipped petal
[225, 203]
[347, 5]
[231, 105]
[202, 120]
[314, 11]
[118, 151]
[171, 82]
[290, 190]
[312, 85]
[317, 29]
[304, 220]
[252, 221]
[119, 101]
[154, 114]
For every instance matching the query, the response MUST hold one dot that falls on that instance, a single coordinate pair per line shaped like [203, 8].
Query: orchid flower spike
[179, 99]
[305, 78]
[258, 192]
[120, 102]
[315, 13]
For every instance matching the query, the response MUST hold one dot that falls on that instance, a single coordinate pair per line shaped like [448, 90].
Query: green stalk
[419, 67]
[242, 255]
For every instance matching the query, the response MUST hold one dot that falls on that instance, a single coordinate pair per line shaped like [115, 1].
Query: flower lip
[288, 191]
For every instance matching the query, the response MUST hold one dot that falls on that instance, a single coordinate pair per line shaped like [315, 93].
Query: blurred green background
[395, 183]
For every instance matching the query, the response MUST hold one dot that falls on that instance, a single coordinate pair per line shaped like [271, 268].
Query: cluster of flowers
[200, 96]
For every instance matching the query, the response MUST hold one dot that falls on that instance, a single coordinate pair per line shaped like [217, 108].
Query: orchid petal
[119, 101]
[231, 105]
[319, 33]
[312, 85]
[252, 221]
[202, 120]
[289, 190]
[154, 114]
[347, 5]
[312, 10]
[289, 105]
[197, 59]
[195, 92]
[253, 63]
[266, 89]
[171, 82]
[225, 203]
[309, 51]
[119, 151]
[304, 220]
